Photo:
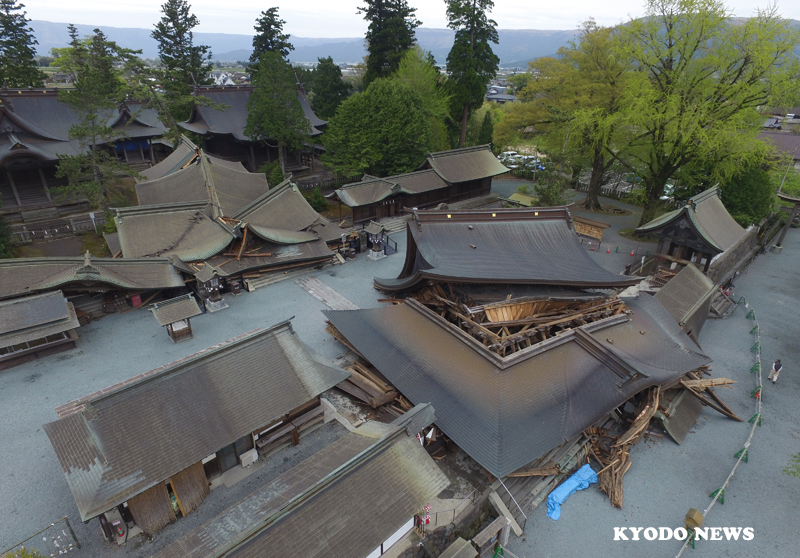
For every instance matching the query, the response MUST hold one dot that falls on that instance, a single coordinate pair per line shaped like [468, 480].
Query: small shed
[175, 314]
[590, 228]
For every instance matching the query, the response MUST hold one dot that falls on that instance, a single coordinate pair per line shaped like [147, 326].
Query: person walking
[776, 369]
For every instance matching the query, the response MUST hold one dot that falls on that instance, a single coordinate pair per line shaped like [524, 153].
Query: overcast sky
[338, 18]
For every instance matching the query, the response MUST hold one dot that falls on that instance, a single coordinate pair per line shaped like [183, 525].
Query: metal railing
[388, 249]
[54, 540]
[26, 235]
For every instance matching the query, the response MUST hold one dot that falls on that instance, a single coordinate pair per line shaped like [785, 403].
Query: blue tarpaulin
[582, 478]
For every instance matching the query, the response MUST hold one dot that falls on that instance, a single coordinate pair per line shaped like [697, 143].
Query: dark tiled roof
[465, 164]
[34, 317]
[184, 230]
[786, 143]
[233, 119]
[505, 412]
[708, 216]
[685, 293]
[523, 246]
[372, 190]
[28, 275]
[342, 502]
[175, 309]
[37, 123]
[281, 254]
[118, 444]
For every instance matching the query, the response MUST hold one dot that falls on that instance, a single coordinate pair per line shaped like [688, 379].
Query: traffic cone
[632, 252]
[608, 251]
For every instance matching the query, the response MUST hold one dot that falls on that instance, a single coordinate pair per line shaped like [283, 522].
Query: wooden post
[141, 150]
[152, 155]
[13, 188]
[44, 184]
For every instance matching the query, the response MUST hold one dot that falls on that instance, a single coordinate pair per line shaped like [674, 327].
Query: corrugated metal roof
[506, 412]
[465, 164]
[524, 246]
[125, 441]
[28, 275]
[183, 230]
[685, 293]
[708, 216]
[175, 309]
[34, 317]
[342, 502]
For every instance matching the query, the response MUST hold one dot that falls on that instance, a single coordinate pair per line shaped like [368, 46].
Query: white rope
[757, 418]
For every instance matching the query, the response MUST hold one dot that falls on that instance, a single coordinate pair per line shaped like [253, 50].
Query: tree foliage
[701, 79]
[18, 67]
[273, 111]
[383, 131]
[98, 89]
[748, 195]
[269, 37]
[183, 65]
[417, 71]
[471, 62]
[329, 88]
[317, 201]
[793, 468]
[389, 35]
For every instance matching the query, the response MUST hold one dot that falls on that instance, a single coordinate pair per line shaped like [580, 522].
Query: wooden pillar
[124, 151]
[141, 150]
[708, 262]
[44, 184]
[13, 188]
[152, 155]
[252, 159]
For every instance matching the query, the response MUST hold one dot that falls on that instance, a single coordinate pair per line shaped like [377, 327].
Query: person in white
[776, 369]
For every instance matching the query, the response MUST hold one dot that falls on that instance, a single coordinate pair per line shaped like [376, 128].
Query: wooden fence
[25, 234]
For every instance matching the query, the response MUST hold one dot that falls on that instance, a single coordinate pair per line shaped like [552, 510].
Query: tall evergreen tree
[471, 62]
[17, 48]
[329, 88]
[184, 65]
[273, 111]
[98, 90]
[389, 36]
[269, 37]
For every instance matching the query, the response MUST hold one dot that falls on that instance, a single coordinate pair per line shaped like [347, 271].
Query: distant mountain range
[516, 48]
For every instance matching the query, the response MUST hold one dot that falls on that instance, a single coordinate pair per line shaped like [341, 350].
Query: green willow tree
[269, 37]
[701, 79]
[389, 35]
[98, 89]
[17, 48]
[330, 90]
[183, 65]
[383, 131]
[273, 111]
[471, 62]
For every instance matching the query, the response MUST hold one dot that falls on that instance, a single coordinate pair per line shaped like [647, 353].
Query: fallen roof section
[521, 246]
[183, 155]
[184, 230]
[465, 164]
[344, 501]
[34, 317]
[372, 189]
[687, 297]
[505, 412]
[21, 276]
[124, 440]
[708, 216]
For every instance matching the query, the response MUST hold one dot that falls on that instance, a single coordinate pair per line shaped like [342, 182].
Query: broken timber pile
[367, 386]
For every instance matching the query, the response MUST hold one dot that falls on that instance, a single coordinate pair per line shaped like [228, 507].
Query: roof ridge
[460, 150]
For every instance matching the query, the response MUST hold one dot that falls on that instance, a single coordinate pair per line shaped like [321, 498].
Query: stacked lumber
[290, 432]
[367, 386]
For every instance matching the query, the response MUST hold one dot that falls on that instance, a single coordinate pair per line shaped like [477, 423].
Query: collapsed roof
[21, 276]
[507, 411]
[465, 164]
[687, 297]
[708, 218]
[520, 246]
[372, 481]
[182, 156]
[119, 442]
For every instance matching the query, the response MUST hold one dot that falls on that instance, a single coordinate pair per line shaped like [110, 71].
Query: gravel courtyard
[663, 483]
